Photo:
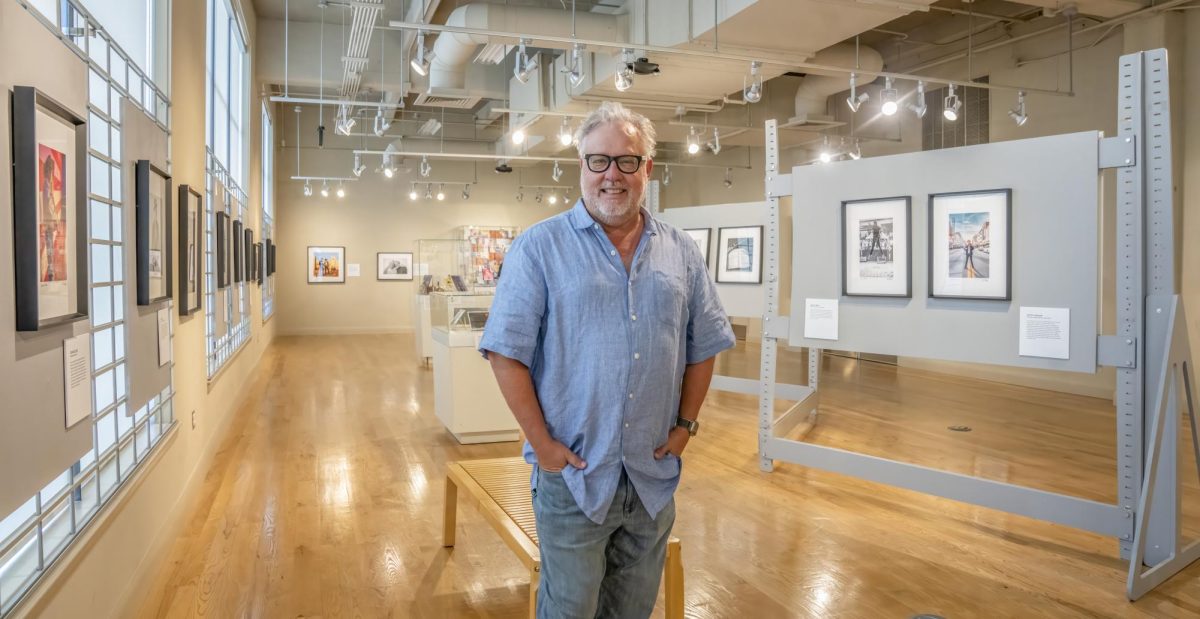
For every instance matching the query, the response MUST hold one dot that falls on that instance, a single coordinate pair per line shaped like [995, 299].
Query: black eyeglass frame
[609, 161]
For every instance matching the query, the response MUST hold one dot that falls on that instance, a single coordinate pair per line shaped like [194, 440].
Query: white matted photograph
[701, 236]
[325, 265]
[739, 255]
[970, 245]
[876, 241]
[396, 266]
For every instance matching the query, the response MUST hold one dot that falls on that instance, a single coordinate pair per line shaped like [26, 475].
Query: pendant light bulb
[752, 88]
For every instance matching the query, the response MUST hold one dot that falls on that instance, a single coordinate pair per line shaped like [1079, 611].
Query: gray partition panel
[1055, 214]
[741, 300]
[35, 446]
[142, 139]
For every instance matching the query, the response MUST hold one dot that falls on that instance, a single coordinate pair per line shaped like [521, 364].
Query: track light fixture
[525, 64]
[466, 192]
[343, 123]
[1018, 113]
[715, 144]
[324, 189]
[359, 166]
[856, 154]
[412, 192]
[574, 70]
[307, 189]
[429, 191]
[693, 141]
[553, 198]
[567, 195]
[856, 99]
[565, 136]
[752, 88]
[441, 194]
[918, 106]
[518, 136]
[666, 180]
[728, 178]
[420, 62]
[556, 173]
[425, 168]
[382, 123]
[520, 195]
[623, 78]
[825, 155]
[341, 190]
[951, 105]
[889, 97]
[538, 197]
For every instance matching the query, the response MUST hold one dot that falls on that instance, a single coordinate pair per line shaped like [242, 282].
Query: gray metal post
[769, 350]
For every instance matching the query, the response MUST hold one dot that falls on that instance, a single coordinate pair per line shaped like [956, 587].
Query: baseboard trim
[345, 331]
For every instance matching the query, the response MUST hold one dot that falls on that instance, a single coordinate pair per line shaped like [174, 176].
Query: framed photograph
[191, 227]
[876, 247]
[270, 257]
[248, 249]
[153, 210]
[258, 262]
[701, 236]
[49, 148]
[970, 245]
[239, 261]
[223, 234]
[394, 266]
[325, 265]
[739, 255]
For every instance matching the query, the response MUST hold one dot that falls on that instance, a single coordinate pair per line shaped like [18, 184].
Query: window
[227, 311]
[971, 126]
[37, 533]
[268, 208]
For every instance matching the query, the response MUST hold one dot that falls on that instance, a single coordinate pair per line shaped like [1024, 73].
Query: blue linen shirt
[607, 349]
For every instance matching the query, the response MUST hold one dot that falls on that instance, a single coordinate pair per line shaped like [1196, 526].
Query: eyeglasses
[625, 163]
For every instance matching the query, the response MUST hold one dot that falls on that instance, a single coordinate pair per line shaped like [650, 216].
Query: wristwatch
[691, 425]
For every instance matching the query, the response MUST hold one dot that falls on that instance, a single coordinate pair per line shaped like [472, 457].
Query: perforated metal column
[769, 352]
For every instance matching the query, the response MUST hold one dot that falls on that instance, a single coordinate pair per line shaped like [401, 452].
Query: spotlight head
[715, 144]
[466, 194]
[441, 194]
[623, 78]
[520, 195]
[890, 98]
[666, 180]
[728, 178]
[341, 192]
[525, 64]
[389, 171]
[553, 199]
[358, 165]
[307, 189]
[855, 154]
[538, 197]
[556, 173]
[951, 105]
[574, 71]
[425, 168]
[325, 189]
[518, 136]
[1018, 114]
[420, 62]
[856, 102]
[693, 141]
[429, 192]
[693, 148]
[382, 123]
[918, 105]
[564, 133]
[412, 192]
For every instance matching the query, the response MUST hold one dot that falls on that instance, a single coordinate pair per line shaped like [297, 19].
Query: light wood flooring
[325, 501]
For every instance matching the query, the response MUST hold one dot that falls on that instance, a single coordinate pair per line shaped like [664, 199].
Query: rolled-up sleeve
[516, 315]
[708, 330]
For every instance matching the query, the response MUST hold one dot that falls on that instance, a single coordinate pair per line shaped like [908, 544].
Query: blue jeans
[598, 570]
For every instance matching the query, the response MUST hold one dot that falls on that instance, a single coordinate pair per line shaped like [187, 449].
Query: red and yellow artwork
[52, 215]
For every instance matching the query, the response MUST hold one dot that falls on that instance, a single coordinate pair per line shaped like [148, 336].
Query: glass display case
[486, 246]
[459, 311]
[442, 266]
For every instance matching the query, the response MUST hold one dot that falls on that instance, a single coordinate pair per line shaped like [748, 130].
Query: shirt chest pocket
[668, 299]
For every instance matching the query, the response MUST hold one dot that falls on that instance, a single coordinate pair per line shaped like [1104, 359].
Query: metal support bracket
[779, 185]
[1118, 152]
[776, 327]
[1116, 351]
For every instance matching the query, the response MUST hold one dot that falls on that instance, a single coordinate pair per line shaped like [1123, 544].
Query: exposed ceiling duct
[355, 60]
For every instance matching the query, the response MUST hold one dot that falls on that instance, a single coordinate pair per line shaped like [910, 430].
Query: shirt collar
[581, 218]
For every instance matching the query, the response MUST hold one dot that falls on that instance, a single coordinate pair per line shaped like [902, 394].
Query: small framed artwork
[153, 210]
[325, 265]
[970, 245]
[270, 257]
[49, 149]
[739, 255]
[223, 235]
[190, 254]
[258, 262]
[701, 236]
[238, 258]
[397, 266]
[876, 247]
[248, 244]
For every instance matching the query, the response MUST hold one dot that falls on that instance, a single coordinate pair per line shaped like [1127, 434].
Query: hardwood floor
[325, 501]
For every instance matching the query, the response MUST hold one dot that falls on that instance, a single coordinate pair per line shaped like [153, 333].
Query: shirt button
[622, 458]
[612, 252]
[637, 355]
[626, 425]
[630, 397]
[633, 316]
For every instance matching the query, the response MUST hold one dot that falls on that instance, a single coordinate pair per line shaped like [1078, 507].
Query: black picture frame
[222, 250]
[146, 173]
[723, 272]
[248, 251]
[1006, 244]
[907, 238]
[270, 257]
[405, 256]
[238, 261]
[27, 102]
[258, 262]
[191, 250]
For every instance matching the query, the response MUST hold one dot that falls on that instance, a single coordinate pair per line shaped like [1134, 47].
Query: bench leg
[535, 579]
[673, 580]
[449, 513]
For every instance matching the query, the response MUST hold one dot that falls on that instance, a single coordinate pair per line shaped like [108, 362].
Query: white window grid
[234, 299]
[36, 534]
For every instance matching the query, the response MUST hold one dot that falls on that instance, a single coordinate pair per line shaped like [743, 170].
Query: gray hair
[613, 112]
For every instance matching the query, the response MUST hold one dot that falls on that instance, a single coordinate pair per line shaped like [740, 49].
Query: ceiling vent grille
[461, 103]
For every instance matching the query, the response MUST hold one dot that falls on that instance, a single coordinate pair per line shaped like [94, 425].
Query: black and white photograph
[191, 228]
[876, 259]
[702, 238]
[239, 260]
[970, 245]
[49, 221]
[153, 210]
[739, 255]
[397, 266]
[222, 249]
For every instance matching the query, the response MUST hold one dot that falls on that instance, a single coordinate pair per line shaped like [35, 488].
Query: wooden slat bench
[500, 487]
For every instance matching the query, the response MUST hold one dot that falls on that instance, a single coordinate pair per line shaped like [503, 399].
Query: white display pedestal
[466, 397]
[422, 328]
